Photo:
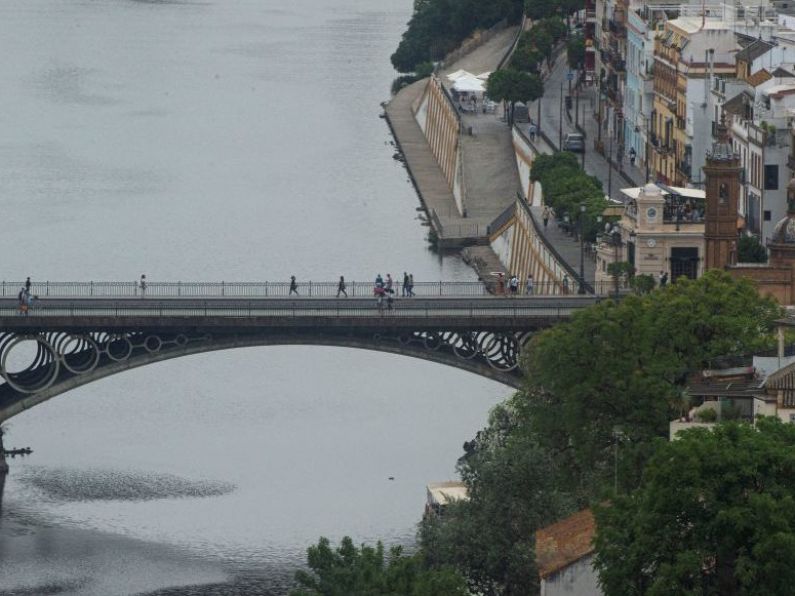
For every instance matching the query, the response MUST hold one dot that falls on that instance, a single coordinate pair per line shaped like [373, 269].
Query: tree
[575, 52]
[511, 481]
[351, 571]
[566, 187]
[438, 26]
[539, 9]
[511, 85]
[715, 515]
[526, 58]
[750, 250]
[622, 366]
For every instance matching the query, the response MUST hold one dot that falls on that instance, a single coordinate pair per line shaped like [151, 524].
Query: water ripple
[110, 485]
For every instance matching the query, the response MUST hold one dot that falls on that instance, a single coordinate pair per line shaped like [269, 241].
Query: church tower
[722, 173]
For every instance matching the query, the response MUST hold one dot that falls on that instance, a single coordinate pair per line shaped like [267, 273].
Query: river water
[214, 140]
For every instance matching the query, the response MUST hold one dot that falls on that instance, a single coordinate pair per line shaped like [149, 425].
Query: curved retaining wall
[441, 124]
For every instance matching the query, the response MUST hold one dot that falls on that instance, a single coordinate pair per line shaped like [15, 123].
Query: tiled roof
[782, 73]
[564, 542]
[753, 50]
[759, 77]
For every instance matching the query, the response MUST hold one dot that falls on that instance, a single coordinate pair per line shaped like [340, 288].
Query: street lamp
[582, 252]
[616, 236]
[610, 168]
[560, 120]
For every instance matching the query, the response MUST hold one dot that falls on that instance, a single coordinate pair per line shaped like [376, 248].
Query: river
[214, 140]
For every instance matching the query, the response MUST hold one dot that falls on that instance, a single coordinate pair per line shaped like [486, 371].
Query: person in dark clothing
[341, 287]
[27, 285]
[293, 286]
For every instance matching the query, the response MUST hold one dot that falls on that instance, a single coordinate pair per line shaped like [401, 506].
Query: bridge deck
[131, 313]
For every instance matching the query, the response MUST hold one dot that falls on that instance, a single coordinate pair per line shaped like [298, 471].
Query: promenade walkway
[484, 164]
[426, 175]
[491, 179]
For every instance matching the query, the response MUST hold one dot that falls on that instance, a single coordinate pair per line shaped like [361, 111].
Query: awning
[454, 76]
[469, 85]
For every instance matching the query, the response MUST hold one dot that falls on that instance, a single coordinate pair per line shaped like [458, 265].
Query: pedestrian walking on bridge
[293, 286]
[142, 285]
[341, 287]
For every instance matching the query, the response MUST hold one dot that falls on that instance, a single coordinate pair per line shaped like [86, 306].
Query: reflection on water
[215, 140]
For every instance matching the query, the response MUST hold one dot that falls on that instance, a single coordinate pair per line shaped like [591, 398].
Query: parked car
[574, 142]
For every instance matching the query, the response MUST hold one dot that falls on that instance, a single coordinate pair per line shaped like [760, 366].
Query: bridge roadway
[72, 314]
[79, 340]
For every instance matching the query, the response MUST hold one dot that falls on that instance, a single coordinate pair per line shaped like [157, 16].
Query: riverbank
[458, 194]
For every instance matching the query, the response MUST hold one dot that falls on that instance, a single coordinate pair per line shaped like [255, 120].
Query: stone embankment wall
[521, 248]
[525, 155]
[441, 124]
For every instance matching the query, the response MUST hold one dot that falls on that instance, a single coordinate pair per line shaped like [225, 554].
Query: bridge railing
[196, 289]
[368, 309]
[112, 289]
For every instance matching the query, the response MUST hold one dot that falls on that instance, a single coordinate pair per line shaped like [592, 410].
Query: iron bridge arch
[65, 360]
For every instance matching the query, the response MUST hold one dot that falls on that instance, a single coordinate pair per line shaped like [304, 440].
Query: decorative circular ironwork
[39, 374]
[79, 354]
[60, 355]
[432, 341]
[152, 344]
[466, 346]
[118, 348]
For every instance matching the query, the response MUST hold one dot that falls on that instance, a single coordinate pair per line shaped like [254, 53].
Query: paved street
[595, 163]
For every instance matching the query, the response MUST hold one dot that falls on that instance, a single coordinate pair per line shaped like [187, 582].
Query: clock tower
[722, 173]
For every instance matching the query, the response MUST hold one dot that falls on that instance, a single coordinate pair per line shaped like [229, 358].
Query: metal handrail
[563, 263]
[159, 310]
[503, 218]
[261, 290]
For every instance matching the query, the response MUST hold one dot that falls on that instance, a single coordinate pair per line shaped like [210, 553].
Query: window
[768, 215]
[771, 177]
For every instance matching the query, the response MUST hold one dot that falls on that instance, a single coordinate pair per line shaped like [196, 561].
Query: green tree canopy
[750, 250]
[511, 480]
[439, 26]
[512, 85]
[715, 515]
[567, 187]
[575, 51]
[624, 365]
[351, 571]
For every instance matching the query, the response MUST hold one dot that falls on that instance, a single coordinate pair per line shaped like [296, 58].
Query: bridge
[78, 333]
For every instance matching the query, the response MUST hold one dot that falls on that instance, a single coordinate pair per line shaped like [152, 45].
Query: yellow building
[686, 51]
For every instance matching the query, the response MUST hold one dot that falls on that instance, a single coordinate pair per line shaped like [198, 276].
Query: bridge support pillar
[3, 465]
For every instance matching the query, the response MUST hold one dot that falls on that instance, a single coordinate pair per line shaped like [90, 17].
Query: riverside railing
[309, 289]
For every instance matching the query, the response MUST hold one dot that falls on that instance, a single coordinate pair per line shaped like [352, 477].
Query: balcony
[617, 28]
[590, 16]
[618, 64]
[685, 169]
[659, 146]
